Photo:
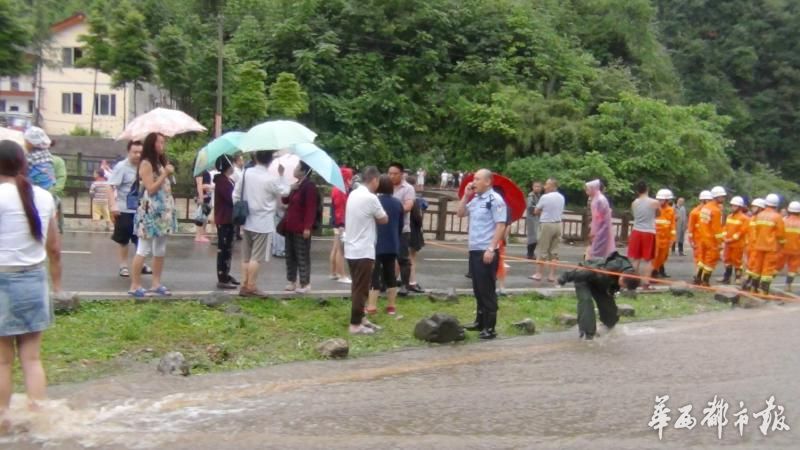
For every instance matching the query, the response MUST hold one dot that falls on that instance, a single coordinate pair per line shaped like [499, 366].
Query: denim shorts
[24, 302]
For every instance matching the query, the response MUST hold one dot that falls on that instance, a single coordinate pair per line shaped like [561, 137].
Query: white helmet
[794, 207]
[737, 201]
[772, 200]
[759, 203]
[664, 194]
[718, 191]
[706, 195]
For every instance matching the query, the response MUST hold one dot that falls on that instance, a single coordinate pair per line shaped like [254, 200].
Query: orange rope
[638, 277]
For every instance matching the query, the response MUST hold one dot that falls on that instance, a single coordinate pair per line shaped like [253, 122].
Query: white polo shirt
[360, 235]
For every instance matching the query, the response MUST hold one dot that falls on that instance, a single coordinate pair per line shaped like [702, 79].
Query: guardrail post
[586, 218]
[624, 228]
[441, 219]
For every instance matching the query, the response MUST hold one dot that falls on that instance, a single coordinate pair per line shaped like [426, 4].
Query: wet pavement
[544, 391]
[90, 267]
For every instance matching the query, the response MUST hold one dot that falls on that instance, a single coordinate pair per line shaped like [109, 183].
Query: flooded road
[545, 391]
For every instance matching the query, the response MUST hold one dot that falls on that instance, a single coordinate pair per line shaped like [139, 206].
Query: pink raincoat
[603, 243]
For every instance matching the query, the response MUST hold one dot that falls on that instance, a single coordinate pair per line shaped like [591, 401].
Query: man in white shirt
[421, 179]
[262, 191]
[549, 209]
[362, 213]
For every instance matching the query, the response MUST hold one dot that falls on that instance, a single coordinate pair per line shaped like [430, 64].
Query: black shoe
[416, 288]
[233, 281]
[487, 334]
[228, 286]
[474, 326]
[402, 292]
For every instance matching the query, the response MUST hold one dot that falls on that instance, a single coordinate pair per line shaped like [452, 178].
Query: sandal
[140, 293]
[536, 277]
[162, 291]
[362, 330]
[124, 272]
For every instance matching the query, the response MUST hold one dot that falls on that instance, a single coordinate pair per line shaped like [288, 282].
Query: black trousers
[224, 252]
[404, 260]
[531, 251]
[606, 306]
[383, 272]
[298, 258]
[484, 281]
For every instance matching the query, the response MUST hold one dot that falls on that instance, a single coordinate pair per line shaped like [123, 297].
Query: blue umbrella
[320, 162]
[227, 144]
[275, 135]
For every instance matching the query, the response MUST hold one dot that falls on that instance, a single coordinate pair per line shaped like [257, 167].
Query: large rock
[214, 299]
[526, 326]
[681, 289]
[625, 310]
[173, 363]
[449, 296]
[567, 320]
[66, 303]
[334, 348]
[727, 296]
[440, 328]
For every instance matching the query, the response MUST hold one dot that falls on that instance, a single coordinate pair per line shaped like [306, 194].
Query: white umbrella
[9, 134]
[169, 122]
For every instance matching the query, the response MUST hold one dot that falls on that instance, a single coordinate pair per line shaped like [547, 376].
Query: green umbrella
[276, 135]
[227, 144]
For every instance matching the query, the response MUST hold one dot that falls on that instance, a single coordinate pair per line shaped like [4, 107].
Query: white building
[68, 94]
[16, 101]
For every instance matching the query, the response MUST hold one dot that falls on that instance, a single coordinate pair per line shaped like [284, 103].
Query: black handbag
[241, 209]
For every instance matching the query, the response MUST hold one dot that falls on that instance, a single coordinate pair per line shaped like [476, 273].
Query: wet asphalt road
[544, 391]
[90, 267]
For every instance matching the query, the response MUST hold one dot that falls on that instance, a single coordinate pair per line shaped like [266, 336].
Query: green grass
[108, 337]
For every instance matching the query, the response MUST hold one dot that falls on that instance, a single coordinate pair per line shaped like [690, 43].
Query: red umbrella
[515, 198]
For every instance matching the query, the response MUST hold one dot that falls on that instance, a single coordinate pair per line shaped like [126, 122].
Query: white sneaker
[333, 276]
[303, 290]
[344, 280]
[290, 287]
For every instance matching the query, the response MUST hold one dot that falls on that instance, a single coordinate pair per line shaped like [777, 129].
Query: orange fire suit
[665, 235]
[710, 236]
[769, 238]
[736, 227]
[791, 249]
[691, 226]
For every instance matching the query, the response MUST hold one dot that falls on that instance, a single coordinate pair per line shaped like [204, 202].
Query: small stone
[173, 363]
[681, 289]
[625, 310]
[568, 320]
[217, 353]
[214, 299]
[65, 303]
[334, 348]
[526, 326]
[440, 328]
[731, 297]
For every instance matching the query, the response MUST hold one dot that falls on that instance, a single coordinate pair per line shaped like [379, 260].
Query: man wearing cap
[791, 249]
[487, 226]
[665, 232]
[40, 162]
[736, 225]
[711, 236]
[770, 236]
[694, 220]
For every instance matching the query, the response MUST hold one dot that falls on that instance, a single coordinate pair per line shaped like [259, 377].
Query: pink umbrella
[169, 122]
[289, 163]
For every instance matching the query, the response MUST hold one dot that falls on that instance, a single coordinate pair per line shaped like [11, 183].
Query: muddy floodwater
[545, 391]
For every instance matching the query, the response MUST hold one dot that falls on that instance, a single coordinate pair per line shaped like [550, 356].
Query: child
[40, 162]
[98, 192]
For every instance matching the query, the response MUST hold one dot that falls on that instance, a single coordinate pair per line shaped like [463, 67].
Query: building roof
[71, 21]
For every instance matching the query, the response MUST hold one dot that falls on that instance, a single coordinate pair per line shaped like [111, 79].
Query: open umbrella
[227, 144]
[320, 162]
[9, 134]
[275, 135]
[289, 162]
[515, 199]
[169, 122]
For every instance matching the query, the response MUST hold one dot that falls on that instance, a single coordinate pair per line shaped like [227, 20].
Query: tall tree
[173, 49]
[286, 97]
[96, 48]
[131, 62]
[247, 102]
[14, 38]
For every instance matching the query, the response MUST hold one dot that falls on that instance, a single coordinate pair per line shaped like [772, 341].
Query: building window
[71, 103]
[70, 56]
[2, 106]
[13, 108]
[105, 104]
[14, 84]
[30, 106]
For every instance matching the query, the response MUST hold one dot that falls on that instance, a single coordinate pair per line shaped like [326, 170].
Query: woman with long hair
[28, 236]
[155, 217]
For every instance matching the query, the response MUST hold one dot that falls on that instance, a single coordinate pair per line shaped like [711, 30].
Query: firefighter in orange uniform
[694, 220]
[711, 236]
[756, 207]
[665, 232]
[770, 237]
[736, 227]
[791, 249]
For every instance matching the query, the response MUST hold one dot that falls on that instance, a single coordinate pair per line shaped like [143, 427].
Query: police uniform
[486, 211]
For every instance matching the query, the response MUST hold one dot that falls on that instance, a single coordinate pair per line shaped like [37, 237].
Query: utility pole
[220, 51]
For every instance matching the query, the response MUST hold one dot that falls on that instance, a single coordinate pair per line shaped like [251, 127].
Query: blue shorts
[24, 302]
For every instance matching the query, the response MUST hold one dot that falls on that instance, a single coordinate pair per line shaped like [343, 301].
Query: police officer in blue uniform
[487, 224]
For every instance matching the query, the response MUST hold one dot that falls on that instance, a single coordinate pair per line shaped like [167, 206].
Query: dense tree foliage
[682, 93]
